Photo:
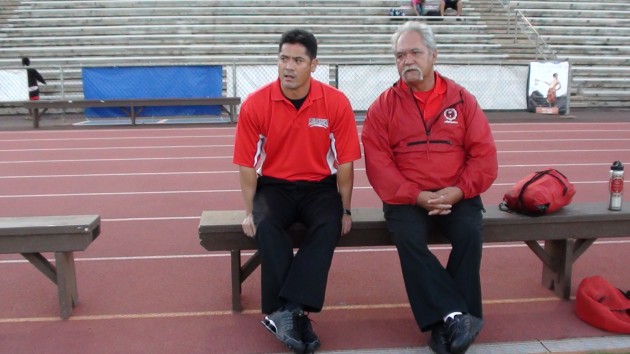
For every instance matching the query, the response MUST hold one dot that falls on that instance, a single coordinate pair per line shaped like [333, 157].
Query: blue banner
[137, 82]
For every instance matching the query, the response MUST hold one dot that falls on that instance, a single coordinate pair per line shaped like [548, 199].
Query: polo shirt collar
[438, 89]
[315, 91]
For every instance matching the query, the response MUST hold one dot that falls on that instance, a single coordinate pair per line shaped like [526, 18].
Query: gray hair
[418, 27]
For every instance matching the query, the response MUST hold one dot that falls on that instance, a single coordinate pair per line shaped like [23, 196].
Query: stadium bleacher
[63, 35]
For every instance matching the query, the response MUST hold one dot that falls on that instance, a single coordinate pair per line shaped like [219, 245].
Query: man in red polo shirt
[429, 154]
[296, 140]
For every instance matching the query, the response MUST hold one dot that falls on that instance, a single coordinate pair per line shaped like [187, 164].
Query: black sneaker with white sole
[461, 331]
[438, 343]
[285, 325]
[309, 338]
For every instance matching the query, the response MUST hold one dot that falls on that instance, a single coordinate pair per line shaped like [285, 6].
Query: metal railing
[523, 26]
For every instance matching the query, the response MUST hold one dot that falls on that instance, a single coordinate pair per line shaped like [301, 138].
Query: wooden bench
[30, 236]
[565, 235]
[133, 107]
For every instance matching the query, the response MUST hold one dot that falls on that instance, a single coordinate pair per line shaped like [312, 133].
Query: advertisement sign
[548, 87]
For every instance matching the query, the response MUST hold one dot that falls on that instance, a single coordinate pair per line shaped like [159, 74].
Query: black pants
[299, 278]
[435, 291]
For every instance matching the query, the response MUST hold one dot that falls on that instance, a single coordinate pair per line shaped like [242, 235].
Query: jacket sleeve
[39, 77]
[481, 166]
[390, 185]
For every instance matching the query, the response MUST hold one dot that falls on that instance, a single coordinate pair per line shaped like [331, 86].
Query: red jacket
[404, 156]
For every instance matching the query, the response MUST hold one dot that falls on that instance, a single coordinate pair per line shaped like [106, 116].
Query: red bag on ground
[539, 193]
[600, 304]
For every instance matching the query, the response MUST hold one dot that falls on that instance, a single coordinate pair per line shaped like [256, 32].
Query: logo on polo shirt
[450, 116]
[318, 123]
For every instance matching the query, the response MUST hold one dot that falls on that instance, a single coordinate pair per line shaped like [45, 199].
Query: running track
[147, 286]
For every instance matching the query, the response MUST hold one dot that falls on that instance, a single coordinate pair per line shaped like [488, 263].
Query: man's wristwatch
[347, 212]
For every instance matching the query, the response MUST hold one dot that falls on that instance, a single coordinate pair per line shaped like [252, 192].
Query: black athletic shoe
[439, 341]
[286, 327]
[461, 331]
[310, 339]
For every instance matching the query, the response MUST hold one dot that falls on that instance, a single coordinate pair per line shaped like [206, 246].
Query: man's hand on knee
[346, 224]
[249, 228]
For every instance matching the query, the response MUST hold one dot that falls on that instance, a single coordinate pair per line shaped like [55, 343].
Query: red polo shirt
[430, 101]
[297, 145]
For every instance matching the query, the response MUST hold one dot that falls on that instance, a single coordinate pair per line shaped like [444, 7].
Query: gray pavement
[614, 344]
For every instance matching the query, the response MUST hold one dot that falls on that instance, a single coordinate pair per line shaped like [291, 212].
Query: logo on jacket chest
[318, 123]
[450, 116]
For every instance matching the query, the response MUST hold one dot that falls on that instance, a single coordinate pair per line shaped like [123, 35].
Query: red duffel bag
[539, 193]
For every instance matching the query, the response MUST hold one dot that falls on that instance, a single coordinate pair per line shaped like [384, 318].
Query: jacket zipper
[420, 142]
[427, 129]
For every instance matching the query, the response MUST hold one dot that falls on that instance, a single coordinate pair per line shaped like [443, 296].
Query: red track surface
[147, 286]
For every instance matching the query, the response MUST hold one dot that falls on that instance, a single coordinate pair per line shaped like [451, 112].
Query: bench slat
[221, 230]
[48, 233]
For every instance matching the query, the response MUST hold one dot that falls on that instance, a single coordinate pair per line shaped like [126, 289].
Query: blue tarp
[152, 82]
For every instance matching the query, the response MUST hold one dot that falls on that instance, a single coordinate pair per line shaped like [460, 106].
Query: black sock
[290, 306]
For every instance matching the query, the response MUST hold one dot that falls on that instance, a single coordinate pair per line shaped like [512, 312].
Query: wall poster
[548, 87]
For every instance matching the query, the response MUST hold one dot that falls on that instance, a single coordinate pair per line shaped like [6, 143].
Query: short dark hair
[26, 61]
[303, 37]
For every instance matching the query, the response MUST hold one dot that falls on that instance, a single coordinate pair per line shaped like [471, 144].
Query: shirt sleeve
[247, 137]
[345, 133]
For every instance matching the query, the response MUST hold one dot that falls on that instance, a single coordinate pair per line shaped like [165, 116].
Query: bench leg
[232, 113]
[66, 283]
[239, 274]
[133, 115]
[557, 275]
[235, 258]
[63, 275]
[35, 117]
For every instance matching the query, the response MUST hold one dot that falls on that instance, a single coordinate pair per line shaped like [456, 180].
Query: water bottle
[615, 186]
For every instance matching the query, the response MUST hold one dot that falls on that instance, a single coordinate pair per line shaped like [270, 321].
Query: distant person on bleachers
[418, 7]
[425, 7]
[33, 77]
[451, 4]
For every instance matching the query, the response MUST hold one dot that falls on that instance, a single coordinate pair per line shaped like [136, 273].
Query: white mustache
[415, 68]
[409, 68]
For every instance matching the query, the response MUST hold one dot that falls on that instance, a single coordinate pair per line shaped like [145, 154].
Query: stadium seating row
[64, 36]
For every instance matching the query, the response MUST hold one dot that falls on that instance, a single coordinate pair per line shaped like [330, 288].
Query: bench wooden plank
[565, 234]
[62, 235]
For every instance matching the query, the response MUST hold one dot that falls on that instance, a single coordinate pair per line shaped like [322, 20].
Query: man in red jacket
[429, 155]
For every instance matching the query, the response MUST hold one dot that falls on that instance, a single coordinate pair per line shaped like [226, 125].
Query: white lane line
[207, 191]
[554, 151]
[109, 148]
[126, 174]
[235, 171]
[340, 250]
[232, 145]
[126, 159]
[118, 138]
[152, 315]
[557, 140]
[120, 193]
